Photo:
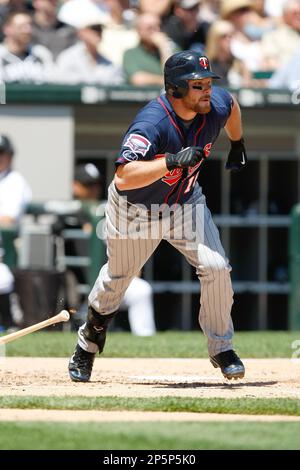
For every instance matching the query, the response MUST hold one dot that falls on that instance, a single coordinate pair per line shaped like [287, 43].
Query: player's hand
[237, 157]
[189, 156]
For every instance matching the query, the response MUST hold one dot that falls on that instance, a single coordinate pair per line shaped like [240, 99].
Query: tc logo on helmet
[204, 62]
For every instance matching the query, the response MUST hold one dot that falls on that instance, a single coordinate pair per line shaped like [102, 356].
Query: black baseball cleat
[81, 365]
[229, 363]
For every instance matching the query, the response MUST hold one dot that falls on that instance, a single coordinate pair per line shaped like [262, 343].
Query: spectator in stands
[118, 10]
[9, 6]
[119, 31]
[20, 61]
[48, 30]
[119, 28]
[243, 47]
[74, 12]
[288, 75]
[184, 27]
[232, 71]
[15, 192]
[88, 187]
[278, 46]
[143, 65]
[209, 10]
[274, 8]
[158, 7]
[258, 23]
[83, 63]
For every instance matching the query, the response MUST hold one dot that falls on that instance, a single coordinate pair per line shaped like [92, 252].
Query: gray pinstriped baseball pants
[131, 240]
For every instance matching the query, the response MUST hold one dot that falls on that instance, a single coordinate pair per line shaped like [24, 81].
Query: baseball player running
[155, 195]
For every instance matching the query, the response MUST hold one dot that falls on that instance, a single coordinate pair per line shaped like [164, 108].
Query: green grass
[183, 435]
[163, 344]
[257, 406]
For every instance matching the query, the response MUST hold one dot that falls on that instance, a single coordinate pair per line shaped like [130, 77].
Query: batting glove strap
[237, 157]
[189, 156]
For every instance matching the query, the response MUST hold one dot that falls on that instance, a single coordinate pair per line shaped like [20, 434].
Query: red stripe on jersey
[199, 130]
[171, 119]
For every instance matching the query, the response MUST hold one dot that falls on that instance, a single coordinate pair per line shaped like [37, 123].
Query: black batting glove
[189, 156]
[237, 157]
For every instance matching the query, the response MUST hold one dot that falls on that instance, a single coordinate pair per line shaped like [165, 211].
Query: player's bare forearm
[136, 175]
[237, 157]
[233, 125]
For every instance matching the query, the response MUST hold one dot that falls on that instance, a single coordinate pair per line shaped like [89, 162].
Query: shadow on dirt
[225, 384]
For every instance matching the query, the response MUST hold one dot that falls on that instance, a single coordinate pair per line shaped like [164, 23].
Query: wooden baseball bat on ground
[61, 316]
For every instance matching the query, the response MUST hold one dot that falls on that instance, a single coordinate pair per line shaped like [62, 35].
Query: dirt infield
[150, 378]
[68, 416]
[265, 378]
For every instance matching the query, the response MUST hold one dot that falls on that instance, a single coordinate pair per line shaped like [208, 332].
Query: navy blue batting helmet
[183, 66]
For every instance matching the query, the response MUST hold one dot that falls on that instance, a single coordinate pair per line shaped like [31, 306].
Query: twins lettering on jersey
[138, 145]
[207, 149]
[173, 176]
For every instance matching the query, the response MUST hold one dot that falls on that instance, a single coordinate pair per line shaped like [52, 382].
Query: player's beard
[202, 107]
[199, 107]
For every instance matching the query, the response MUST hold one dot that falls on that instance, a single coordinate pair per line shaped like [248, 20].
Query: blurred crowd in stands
[251, 43]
